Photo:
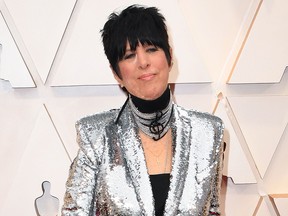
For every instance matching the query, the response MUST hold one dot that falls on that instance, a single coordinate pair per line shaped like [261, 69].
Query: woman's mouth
[147, 76]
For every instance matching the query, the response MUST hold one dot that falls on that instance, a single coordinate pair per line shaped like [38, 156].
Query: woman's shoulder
[200, 115]
[97, 119]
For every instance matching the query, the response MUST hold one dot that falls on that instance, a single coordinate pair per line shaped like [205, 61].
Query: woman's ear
[171, 55]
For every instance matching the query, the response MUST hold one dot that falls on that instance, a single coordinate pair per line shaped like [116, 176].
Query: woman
[151, 157]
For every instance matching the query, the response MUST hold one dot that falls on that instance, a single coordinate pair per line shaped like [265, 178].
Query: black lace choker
[153, 117]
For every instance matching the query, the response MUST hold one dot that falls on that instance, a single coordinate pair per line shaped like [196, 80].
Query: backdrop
[229, 59]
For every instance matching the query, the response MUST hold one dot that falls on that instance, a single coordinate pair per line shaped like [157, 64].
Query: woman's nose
[143, 60]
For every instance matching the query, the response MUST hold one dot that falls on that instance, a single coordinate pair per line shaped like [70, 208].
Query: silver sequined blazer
[109, 175]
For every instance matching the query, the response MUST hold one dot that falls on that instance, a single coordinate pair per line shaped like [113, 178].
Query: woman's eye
[152, 49]
[129, 55]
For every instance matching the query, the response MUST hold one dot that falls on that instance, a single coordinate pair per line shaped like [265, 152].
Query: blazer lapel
[181, 131]
[135, 161]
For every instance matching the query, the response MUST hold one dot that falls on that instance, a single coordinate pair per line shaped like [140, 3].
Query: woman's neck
[151, 106]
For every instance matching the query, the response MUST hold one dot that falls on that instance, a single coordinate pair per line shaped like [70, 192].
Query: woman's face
[144, 72]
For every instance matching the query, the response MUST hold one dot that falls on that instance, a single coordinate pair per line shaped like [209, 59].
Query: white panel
[41, 24]
[264, 56]
[44, 159]
[17, 119]
[281, 204]
[196, 96]
[276, 177]
[214, 27]
[84, 63]
[189, 66]
[236, 165]
[266, 208]
[262, 120]
[12, 66]
[260, 89]
[238, 200]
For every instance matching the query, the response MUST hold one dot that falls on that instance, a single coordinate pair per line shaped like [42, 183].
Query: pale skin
[145, 74]
[157, 152]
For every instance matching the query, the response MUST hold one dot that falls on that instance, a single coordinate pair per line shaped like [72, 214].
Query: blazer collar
[181, 132]
[135, 161]
[136, 165]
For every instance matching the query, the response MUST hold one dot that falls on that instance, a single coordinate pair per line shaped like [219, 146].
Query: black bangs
[142, 29]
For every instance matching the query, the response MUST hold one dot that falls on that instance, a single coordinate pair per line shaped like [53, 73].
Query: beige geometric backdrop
[230, 59]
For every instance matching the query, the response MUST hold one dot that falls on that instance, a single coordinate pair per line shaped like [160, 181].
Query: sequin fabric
[109, 175]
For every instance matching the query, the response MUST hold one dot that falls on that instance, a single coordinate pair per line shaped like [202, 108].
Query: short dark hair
[135, 24]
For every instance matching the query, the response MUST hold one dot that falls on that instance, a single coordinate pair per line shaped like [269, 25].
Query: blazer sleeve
[218, 165]
[80, 196]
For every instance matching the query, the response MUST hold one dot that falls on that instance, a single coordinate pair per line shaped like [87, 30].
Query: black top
[151, 106]
[160, 187]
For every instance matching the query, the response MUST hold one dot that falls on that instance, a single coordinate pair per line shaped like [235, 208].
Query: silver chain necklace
[156, 124]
